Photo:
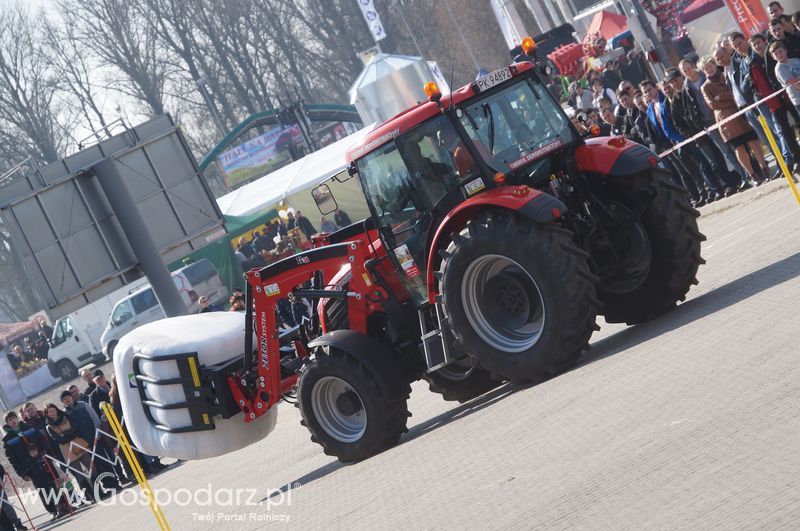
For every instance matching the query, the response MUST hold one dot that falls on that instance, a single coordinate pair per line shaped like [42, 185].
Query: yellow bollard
[116, 427]
[779, 157]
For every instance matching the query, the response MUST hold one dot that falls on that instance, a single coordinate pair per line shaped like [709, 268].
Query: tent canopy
[314, 168]
[698, 8]
[609, 24]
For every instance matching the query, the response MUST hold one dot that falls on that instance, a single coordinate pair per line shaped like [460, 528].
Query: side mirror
[324, 199]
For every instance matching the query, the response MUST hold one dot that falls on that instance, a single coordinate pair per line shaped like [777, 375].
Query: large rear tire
[461, 380]
[672, 241]
[346, 410]
[519, 295]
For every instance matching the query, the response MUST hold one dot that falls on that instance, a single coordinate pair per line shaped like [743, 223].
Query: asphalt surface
[687, 422]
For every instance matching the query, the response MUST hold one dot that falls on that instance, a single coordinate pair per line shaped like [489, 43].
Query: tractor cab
[418, 167]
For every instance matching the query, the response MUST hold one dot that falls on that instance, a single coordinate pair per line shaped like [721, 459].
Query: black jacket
[686, 115]
[16, 444]
[98, 396]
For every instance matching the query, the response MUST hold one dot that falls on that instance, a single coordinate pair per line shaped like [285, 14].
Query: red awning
[698, 8]
[609, 24]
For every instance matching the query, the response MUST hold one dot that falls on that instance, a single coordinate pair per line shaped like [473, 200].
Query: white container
[216, 337]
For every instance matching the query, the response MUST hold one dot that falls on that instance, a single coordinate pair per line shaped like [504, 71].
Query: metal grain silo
[388, 85]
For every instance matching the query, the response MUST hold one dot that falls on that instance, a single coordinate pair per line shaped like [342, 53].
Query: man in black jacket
[688, 120]
[101, 391]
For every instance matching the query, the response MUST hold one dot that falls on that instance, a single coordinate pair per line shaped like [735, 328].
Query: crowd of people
[250, 252]
[699, 93]
[67, 434]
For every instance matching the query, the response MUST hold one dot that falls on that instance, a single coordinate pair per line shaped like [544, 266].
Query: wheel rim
[338, 409]
[503, 303]
[635, 265]
[66, 371]
[457, 371]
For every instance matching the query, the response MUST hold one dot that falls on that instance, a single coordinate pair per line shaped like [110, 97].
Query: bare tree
[120, 38]
[78, 78]
[27, 88]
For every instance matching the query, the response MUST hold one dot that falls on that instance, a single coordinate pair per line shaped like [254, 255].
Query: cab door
[410, 184]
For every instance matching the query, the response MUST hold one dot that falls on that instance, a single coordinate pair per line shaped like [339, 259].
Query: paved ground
[686, 422]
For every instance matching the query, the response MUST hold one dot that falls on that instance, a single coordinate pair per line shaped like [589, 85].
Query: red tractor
[497, 235]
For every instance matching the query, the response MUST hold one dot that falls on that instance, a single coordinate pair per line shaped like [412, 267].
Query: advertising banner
[373, 19]
[261, 155]
[749, 15]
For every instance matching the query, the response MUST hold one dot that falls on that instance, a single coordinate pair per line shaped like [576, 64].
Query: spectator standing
[615, 124]
[263, 243]
[736, 132]
[690, 164]
[86, 374]
[694, 79]
[611, 76]
[744, 70]
[634, 70]
[8, 516]
[102, 388]
[688, 121]
[290, 221]
[600, 92]
[305, 225]
[326, 226]
[18, 440]
[579, 98]
[341, 218]
[787, 70]
[245, 248]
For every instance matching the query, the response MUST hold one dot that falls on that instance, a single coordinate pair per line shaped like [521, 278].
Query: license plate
[490, 80]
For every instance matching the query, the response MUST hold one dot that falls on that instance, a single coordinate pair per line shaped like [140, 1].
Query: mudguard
[532, 203]
[373, 355]
[614, 156]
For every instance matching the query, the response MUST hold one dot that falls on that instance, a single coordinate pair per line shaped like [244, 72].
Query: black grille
[336, 317]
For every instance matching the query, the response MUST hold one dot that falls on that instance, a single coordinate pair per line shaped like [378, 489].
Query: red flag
[750, 16]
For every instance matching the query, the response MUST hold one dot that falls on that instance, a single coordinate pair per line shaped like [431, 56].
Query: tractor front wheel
[346, 410]
[519, 295]
[461, 380]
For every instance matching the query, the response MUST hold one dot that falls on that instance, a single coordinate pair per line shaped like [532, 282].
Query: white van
[199, 279]
[76, 336]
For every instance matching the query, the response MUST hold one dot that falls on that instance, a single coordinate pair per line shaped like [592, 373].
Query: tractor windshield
[516, 125]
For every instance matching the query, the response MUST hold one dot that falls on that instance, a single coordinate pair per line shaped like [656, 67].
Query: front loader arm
[259, 384]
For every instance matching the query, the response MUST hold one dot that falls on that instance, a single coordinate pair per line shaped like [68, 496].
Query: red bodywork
[274, 282]
[510, 197]
[599, 154]
[414, 116]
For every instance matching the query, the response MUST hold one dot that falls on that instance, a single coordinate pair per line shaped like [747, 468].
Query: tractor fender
[614, 156]
[378, 359]
[530, 202]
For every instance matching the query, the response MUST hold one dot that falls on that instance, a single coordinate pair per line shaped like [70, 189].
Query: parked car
[76, 336]
[198, 279]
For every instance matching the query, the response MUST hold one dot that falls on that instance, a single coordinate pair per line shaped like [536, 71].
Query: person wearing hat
[688, 120]
[101, 391]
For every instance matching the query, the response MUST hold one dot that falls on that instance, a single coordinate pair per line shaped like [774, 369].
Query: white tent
[303, 174]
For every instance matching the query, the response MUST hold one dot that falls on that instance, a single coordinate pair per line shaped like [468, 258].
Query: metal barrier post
[779, 157]
[137, 469]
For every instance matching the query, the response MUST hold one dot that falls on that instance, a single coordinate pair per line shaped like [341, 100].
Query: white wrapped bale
[216, 337]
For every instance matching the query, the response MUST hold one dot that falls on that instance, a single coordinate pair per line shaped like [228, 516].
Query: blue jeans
[752, 119]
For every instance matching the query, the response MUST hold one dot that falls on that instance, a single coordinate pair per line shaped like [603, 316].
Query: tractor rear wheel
[519, 295]
[346, 410]
[461, 380]
[663, 252]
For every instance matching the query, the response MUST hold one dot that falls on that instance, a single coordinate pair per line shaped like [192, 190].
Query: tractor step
[434, 342]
